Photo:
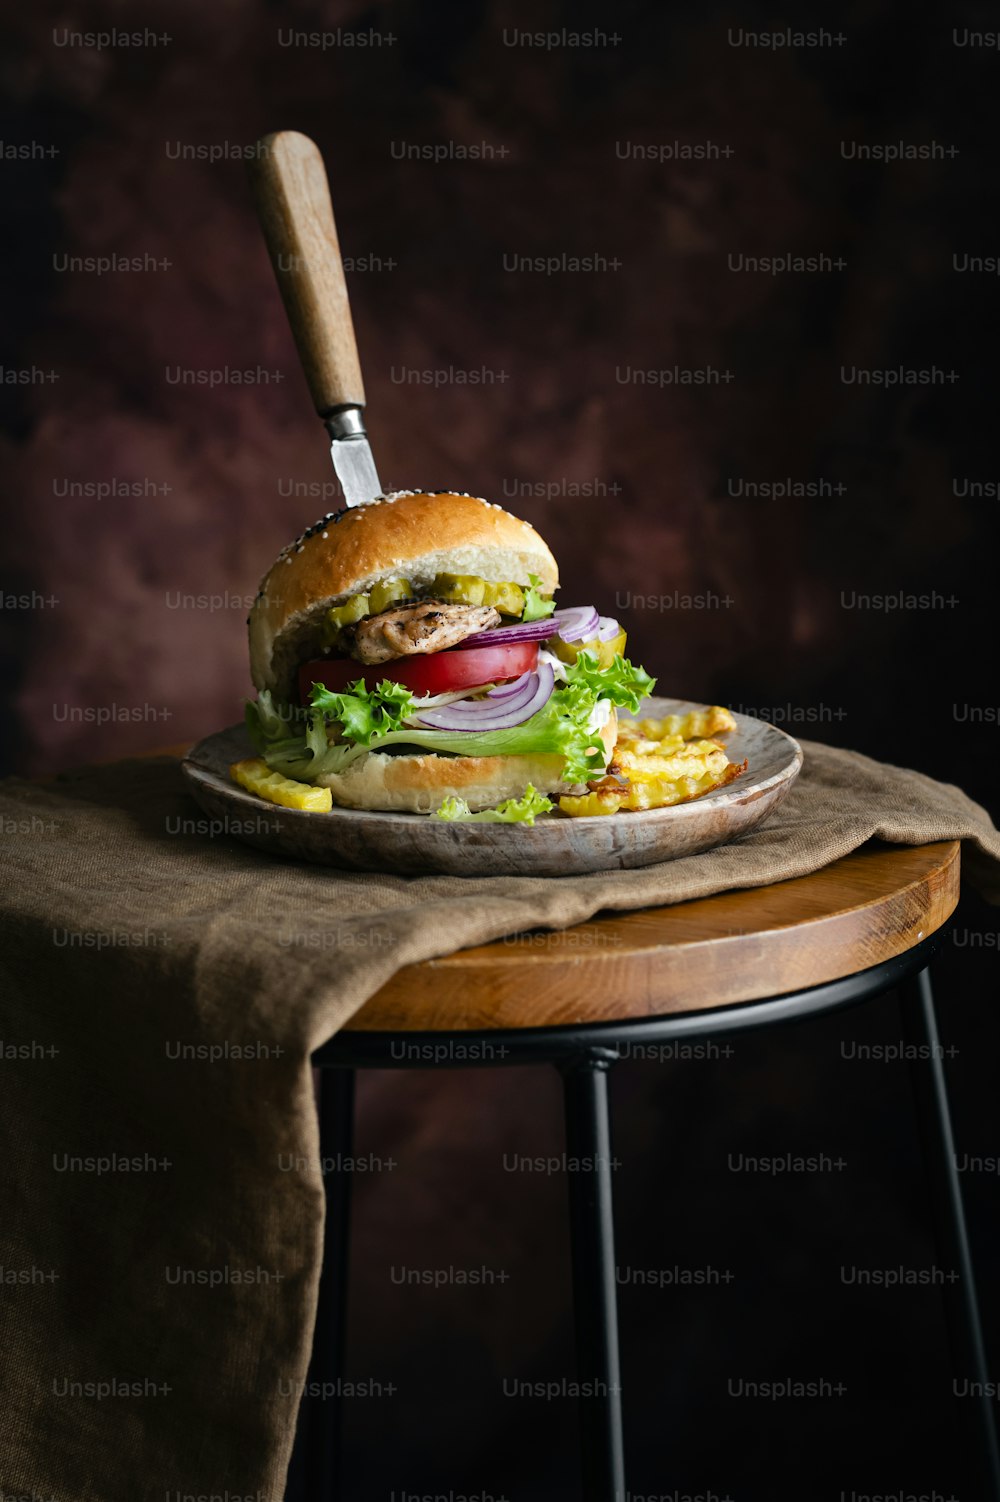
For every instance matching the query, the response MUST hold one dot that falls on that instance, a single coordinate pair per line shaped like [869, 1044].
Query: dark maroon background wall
[148, 490]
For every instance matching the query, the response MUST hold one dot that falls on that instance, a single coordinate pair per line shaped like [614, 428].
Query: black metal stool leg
[322, 1428]
[951, 1233]
[588, 1140]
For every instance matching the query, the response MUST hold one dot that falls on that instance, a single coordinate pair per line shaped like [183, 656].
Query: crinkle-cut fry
[586, 805]
[692, 760]
[652, 792]
[658, 763]
[642, 747]
[694, 725]
[664, 792]
[256, 776]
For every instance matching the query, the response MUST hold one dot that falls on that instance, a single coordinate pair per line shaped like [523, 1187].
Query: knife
[293, 204]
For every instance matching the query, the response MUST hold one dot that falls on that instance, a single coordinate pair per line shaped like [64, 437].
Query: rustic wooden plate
[555, 846]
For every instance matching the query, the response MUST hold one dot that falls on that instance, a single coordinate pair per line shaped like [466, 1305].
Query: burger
[409, 652]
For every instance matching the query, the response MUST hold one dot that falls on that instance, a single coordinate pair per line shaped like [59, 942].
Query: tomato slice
[425, 673]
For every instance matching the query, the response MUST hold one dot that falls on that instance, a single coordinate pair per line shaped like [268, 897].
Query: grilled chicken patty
[426, 626]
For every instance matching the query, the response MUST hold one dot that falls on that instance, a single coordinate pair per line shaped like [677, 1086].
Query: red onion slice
[481, 713]
[504, 690]
[579, 623]
[609, 628]
[527, 631]
[533, 691]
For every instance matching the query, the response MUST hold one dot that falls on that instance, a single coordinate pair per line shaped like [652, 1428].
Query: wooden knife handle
[296, 215]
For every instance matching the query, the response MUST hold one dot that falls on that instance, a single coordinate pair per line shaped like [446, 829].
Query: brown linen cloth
[162, 1211]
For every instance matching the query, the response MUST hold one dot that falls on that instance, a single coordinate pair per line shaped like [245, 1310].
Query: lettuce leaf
[268, 723]
[559, 728]
[363, 713]
[522, 810]
[374, 719]
[535, 608]
[626, 686]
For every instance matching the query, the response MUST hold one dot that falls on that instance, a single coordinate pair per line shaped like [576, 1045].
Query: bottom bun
[419, 784]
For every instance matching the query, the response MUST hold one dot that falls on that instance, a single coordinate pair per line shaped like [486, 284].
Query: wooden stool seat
[579, 999]
[717, 951]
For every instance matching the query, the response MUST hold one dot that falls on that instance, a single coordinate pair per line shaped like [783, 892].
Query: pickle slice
[470, 589]
[387, 593]
[459, 589]
[507, 598]
[604, 651]
[354, 609]
[339, 616]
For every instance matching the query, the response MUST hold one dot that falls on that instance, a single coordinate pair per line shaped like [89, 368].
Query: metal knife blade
[293, 201]
[352, 456]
